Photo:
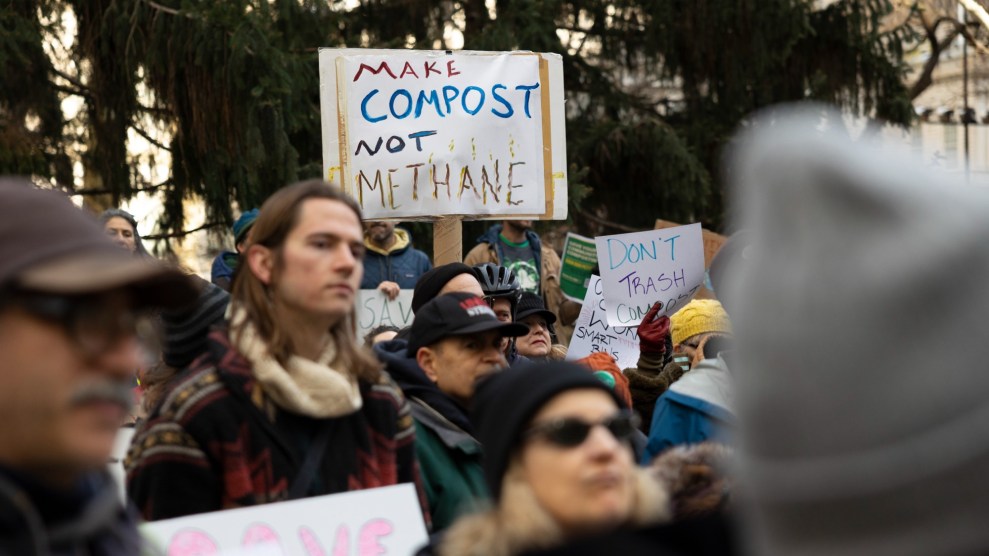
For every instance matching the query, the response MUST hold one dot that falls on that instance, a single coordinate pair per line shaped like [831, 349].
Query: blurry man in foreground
[69, 299]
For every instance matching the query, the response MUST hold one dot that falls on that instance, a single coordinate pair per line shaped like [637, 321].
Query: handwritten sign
[423, 134]
[641, 268]
[712, 244]
[362, 523]
[375, 309]
[592, 332]
[579, 259]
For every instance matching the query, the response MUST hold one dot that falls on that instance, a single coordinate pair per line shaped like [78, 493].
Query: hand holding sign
[592, 333]
[653, 330]
[641, 267]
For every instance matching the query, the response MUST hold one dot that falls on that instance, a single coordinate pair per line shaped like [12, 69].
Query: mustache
[118, 393]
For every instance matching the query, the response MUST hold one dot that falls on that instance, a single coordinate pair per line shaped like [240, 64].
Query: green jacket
[450, 466]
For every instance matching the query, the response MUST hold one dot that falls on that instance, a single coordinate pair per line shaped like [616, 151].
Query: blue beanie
[243, 224]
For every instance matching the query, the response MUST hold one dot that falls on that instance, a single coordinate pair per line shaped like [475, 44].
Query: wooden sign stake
[448, 240]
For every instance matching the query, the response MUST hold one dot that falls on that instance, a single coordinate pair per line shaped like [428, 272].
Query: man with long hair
[284, 404]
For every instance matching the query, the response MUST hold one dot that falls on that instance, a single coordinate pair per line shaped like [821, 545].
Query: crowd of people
[826, 403]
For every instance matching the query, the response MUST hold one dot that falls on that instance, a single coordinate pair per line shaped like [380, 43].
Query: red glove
[653, 331]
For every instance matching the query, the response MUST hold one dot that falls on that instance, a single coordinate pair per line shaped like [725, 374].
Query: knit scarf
[302, 386]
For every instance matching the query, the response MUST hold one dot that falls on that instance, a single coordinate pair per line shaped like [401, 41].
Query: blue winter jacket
[224, 266]
[402, 263]
[696, 408]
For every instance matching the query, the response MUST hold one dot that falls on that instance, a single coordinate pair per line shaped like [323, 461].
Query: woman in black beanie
[557, 461]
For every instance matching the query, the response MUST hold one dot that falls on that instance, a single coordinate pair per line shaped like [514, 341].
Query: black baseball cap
[456, 314]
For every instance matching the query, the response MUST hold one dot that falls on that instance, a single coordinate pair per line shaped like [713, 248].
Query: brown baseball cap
[49, 245]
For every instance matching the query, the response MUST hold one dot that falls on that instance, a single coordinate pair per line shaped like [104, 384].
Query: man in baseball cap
[455, 340]
[69, 302]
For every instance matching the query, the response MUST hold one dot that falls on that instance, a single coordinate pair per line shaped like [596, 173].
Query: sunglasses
[570, 432]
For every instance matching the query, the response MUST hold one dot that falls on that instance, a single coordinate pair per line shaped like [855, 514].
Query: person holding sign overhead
[515, 245]
[284, 404]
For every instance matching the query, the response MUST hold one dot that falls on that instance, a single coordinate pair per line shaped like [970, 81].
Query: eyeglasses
[570, 432]
[95, 322]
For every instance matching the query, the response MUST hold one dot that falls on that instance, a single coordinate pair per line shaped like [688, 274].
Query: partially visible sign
[361, 523]
[579, 259]
[375, 309]
[641, 268]
[712, 241]
[712, 244]
[592, 332]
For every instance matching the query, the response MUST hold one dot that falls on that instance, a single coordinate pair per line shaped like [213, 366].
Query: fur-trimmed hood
[519, 523]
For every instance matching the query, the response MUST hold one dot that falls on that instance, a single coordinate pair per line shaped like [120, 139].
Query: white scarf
[303, 386]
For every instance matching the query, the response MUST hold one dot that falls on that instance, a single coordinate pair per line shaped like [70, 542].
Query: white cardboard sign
[641, 268]
[593, 333]
[421, 134]
[375, 309]
[370, 522]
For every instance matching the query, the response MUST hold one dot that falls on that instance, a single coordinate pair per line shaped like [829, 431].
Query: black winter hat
[505, 402]
[531, 304]
[186, 329]
[429, 284]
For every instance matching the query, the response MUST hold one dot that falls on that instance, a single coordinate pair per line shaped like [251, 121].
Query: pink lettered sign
[373, 522]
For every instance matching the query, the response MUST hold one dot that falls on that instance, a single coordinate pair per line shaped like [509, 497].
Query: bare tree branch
[930, 28]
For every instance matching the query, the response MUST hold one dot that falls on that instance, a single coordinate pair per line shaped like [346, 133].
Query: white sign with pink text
[370, 522]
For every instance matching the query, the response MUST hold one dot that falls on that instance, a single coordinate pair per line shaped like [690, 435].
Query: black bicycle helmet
[499, 282]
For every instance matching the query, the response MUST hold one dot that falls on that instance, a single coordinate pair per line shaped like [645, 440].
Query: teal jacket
[450, 466]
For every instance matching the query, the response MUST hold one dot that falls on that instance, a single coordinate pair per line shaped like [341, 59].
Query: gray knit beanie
[861, 375]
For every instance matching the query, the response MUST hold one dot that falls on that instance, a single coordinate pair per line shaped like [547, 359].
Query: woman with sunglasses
[557, 461]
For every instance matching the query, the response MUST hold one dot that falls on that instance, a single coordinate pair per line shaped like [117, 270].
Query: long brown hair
[278, 217]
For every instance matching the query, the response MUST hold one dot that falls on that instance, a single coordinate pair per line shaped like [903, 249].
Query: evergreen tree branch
[167, 10]
[183, 233]
[607, 223]
[161, 112]
[70, 91]
[80, 89]
[90, 192]
[150, 139]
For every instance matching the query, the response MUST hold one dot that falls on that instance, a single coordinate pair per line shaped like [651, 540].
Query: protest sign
[361, 523]
[592, 332]
[424, 134]
[712, 241]
[712, 244]
[579, 259]
[375, 309]
[641, 268]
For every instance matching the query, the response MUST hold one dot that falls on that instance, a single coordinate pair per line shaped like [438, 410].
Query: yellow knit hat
[698, 317]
